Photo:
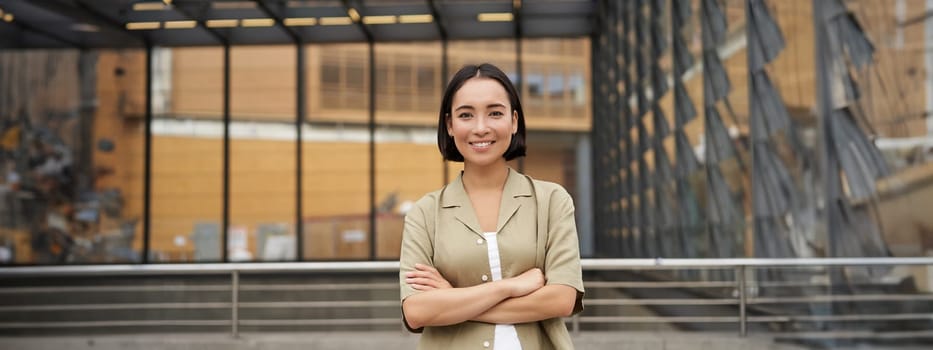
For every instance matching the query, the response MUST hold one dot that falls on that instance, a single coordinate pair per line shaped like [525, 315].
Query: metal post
[372, 150]
[598, 179]
[743, 300]
[226, 156]
[299, 122]
[517, 10]
[235, 303]
[520, 80]
[444, 73]
[575, 322]
[584, 195]
[147, 160]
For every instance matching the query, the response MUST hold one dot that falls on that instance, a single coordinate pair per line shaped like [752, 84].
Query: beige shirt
[442, 231]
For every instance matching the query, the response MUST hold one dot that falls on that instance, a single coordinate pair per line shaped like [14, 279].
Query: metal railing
[737, 289]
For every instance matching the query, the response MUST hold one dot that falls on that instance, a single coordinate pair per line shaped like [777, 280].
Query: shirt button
[479, 241]
[485, 278]
[485, 344]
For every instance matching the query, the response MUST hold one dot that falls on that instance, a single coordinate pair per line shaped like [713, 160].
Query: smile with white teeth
[481, 144]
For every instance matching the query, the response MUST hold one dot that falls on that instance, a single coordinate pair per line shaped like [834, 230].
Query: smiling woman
[492, 259]
[482, 124]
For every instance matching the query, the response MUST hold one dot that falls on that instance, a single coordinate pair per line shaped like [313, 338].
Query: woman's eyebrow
[464, 107]
[493, 105]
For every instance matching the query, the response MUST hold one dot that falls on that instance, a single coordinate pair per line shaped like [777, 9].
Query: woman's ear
[447, 121]
[514, 122]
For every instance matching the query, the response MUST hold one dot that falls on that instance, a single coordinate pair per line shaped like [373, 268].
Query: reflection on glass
[891, 111]
[68, 193]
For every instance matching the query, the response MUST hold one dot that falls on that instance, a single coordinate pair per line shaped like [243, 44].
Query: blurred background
[77, 159]
[219, 131]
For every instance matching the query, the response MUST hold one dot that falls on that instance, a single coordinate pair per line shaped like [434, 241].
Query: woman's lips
[481, 146]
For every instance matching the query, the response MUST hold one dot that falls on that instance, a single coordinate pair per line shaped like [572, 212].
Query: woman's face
[482, 122]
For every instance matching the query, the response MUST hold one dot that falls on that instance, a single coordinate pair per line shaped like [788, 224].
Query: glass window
[335, 158]
[187, 159]
[262, 154]
[408, 164]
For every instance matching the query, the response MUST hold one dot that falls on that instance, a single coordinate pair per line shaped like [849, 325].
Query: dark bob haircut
[445, 143]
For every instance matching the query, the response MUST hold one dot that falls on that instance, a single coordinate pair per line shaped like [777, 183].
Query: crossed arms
[519, 299]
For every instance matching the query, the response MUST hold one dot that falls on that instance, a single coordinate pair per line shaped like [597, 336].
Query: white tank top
[505, 337]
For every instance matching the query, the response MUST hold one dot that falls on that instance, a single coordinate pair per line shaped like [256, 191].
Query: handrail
[662, 263]
[741, 283]
[200, 269]
[392, 266]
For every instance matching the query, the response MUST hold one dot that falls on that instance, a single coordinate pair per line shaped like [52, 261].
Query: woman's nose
[481, 126]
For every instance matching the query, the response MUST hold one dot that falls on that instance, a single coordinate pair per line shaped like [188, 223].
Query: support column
[584, 192]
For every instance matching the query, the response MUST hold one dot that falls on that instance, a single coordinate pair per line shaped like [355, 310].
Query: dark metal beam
[110, 22]
[279, 22]
[441, 28]
[28, 27]
[222, 39]
[87, 14]
[363, 27]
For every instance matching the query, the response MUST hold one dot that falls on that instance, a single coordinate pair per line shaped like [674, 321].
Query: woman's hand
[426, 278]
[529, 281]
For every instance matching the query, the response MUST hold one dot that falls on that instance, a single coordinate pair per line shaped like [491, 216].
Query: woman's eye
[464, 115]
[496, 113]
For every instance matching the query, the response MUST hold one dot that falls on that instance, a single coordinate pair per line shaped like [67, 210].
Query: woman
[492, 259]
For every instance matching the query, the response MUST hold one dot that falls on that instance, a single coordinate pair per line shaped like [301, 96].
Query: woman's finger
[421, 287]
[421, 274]
[422, 281]
[428, 272]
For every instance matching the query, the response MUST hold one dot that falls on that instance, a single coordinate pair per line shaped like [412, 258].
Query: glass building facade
[76, 147]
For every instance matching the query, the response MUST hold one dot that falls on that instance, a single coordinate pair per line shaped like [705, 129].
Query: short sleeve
[417, 247]
[562, 252]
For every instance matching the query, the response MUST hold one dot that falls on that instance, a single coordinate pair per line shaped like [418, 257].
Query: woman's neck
[485, 178]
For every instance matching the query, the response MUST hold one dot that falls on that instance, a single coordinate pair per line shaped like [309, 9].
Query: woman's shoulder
[428, 202]
[549, 188]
